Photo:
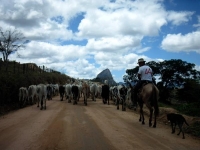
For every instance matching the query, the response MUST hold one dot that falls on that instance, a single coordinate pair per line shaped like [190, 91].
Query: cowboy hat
[141, 60]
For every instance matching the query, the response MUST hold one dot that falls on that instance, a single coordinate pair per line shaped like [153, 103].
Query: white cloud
[178, 18]
[198, 24]
[144, 50]
[178, 42]
[112, 33]
[120, 20]
[113, 44]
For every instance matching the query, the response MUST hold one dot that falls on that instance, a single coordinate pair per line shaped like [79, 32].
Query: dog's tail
[186, 122]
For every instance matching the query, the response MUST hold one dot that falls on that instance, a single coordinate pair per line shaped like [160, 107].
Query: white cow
[68, 92]
[128, 98]
[112, 93]
[55, 89]
[42, 95]
[23, 96]
[80, 90]
[93, 91]
[121, 93]
[99, 90]
[32, 94]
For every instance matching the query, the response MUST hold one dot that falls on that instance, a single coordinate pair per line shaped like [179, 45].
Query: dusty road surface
[64, 126]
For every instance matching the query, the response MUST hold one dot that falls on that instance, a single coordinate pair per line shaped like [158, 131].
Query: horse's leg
[141, 113]
[142, 116]
[150, 118]
[154, 125]
[140, 119]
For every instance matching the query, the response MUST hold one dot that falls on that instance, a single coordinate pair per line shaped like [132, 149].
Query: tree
[173, 72]
[177, 71]
[10, 42]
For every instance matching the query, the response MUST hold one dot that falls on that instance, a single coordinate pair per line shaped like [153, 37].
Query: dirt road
[64, 126]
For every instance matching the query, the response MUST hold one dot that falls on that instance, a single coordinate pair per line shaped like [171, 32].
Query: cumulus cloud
[178, 42]
[107, 35]
[177, 18]
[198, 24]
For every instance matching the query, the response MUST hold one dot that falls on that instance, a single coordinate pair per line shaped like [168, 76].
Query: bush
[191, 109]
[190, 93]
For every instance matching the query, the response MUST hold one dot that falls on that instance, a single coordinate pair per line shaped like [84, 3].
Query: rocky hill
[106, 75]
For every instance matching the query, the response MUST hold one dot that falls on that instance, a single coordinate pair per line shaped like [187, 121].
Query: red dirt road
[64, 126]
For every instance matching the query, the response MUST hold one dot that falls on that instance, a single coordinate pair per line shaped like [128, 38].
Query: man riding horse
[145, 75]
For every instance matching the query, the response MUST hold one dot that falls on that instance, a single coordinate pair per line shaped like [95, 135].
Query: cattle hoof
[154, 126]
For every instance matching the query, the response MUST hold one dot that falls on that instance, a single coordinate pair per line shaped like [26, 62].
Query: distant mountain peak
[106, 75]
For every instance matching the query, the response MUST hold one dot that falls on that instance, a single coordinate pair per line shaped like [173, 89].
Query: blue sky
[82, 38]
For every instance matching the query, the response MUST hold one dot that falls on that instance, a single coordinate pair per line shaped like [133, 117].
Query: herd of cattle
[72, 93]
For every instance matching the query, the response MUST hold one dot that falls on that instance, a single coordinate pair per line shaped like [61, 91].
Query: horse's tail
[155, 99]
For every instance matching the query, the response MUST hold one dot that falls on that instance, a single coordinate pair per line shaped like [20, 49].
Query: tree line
[173, 74]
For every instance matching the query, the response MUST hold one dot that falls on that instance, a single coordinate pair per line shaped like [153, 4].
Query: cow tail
[155, 100]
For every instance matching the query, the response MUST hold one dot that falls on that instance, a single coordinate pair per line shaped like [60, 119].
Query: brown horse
[149, 95]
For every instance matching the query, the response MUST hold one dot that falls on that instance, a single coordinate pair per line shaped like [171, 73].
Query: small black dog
[177, 119]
